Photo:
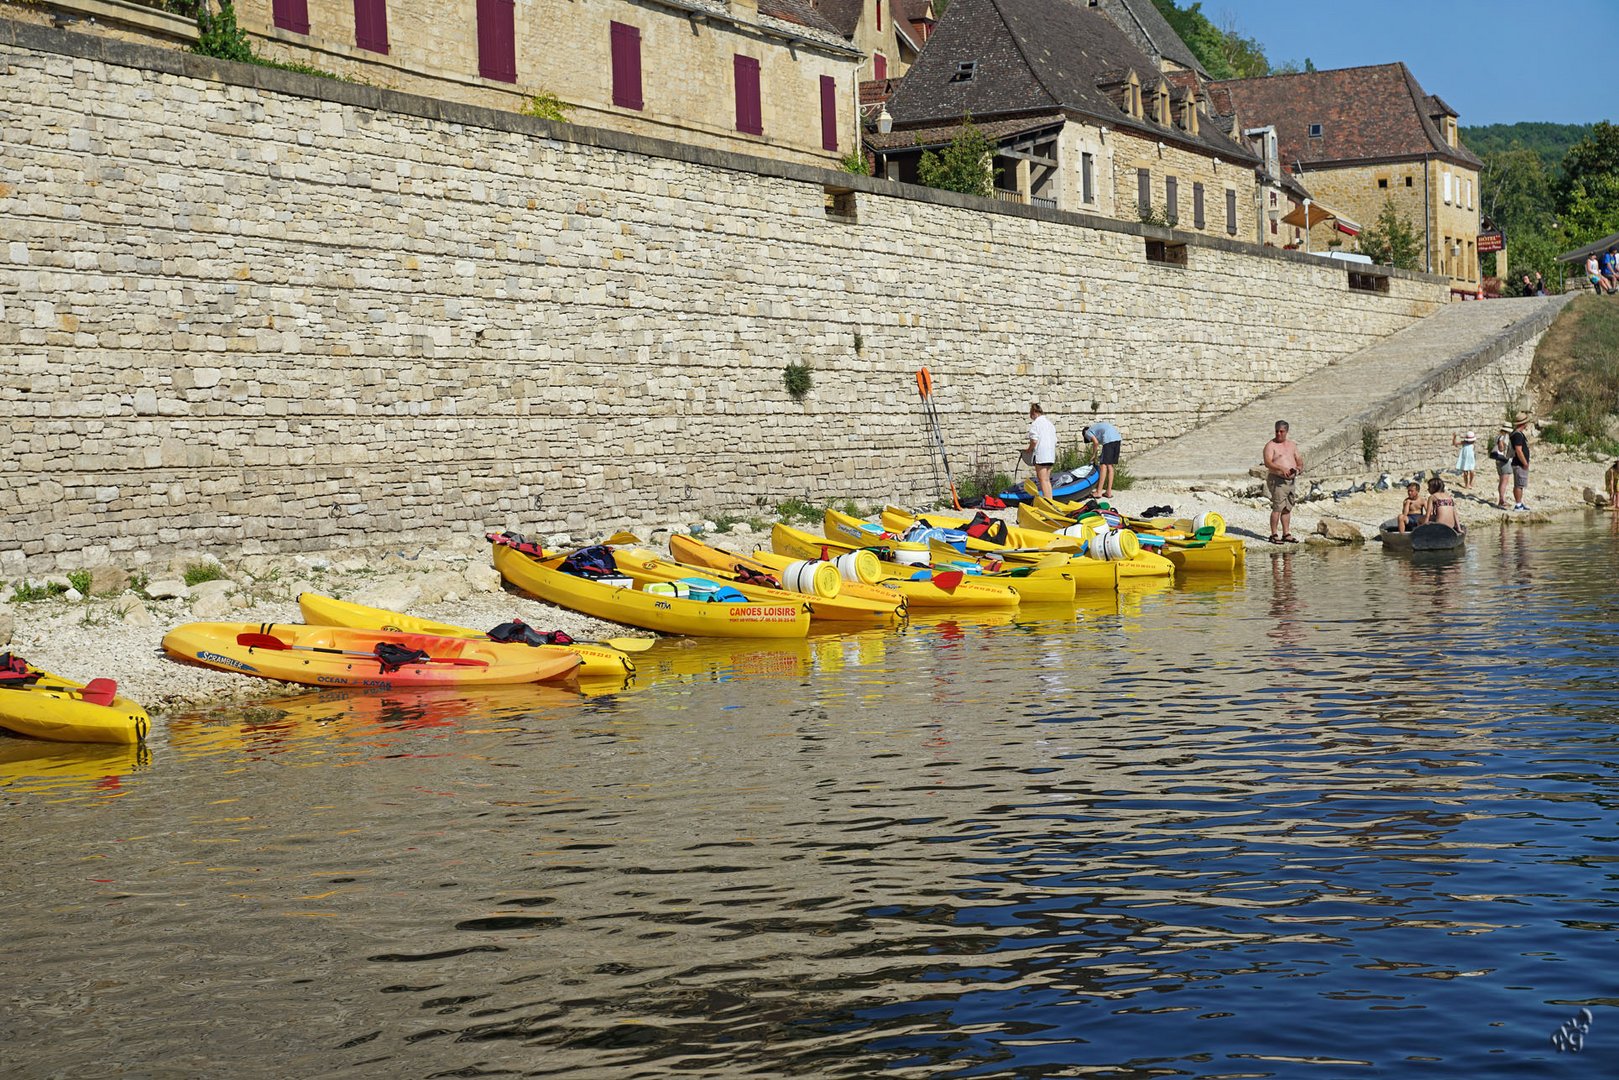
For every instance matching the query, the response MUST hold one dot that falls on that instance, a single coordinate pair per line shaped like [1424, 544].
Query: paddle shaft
[275, 644]
[930, 409]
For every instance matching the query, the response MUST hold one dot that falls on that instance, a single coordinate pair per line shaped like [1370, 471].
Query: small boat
[1430, 537]
[597, 660]
[829, 605]
[337, 656]
[949, 590]
[45, 706]
[619, 601]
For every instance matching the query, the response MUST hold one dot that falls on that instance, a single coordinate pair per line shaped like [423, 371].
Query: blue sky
[1493, 61]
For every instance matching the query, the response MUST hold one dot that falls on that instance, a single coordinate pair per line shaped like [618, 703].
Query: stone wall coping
[1409, 397]
[274, 80]
[128, 13]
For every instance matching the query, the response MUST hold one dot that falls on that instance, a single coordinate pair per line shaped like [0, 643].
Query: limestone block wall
[250, 309]
[1131, 152]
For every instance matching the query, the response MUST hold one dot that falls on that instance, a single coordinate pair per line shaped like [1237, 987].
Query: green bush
[24, 592]
[197, 573]
[796, 509]
[546, 106]
[797, 379]
[80, 580]
[219, 36]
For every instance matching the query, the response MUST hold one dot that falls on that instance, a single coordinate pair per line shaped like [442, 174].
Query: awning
[1318, 214]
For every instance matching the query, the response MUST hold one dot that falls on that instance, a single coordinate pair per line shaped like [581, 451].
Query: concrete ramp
[1329, 408]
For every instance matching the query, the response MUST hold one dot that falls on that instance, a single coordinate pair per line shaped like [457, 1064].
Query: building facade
[1359, 138]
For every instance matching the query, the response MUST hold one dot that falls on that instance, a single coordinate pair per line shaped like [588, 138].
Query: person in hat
[1520, 459]
[1466, 463]
[1501, 454]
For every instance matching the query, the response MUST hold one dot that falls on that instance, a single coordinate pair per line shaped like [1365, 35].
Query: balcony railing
[1005, 195]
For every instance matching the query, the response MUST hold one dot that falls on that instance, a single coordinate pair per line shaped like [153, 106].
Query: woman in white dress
[1465, 462]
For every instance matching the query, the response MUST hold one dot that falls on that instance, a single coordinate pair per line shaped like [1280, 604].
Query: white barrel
[861, 566]
[912, 558]
[1209, 519]
[1114, 545]
[1074, 530]
[813, 577]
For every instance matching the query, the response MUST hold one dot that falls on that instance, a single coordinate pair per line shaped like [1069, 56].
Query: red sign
[1490, 241]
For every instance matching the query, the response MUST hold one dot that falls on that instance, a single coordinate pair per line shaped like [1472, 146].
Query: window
[626, 42]
[879, 66]
[965, 71]
[1382, 181]
[841, 206]
[291, 15]
[1315, 131]
[1144, 190]
[1166, 252]
[1447, 187]
[371, 25]
[749, 114]
[1197, 206]
[879, 4]
[1231, 212]
[1087, 177]
[829, 113]
[1469, 194]
[1408, 181]
[497, 40]
[1172, 199]
[1360, 281]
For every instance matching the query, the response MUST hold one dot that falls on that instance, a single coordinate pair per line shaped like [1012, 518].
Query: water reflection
[1352, 817]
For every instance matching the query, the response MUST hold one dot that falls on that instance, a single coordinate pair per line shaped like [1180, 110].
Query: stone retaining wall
[250, 309]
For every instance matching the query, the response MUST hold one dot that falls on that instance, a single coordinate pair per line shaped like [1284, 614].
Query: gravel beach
[118, 634]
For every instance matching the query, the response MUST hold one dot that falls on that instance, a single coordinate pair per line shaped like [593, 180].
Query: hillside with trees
[1549, 142]
[1224, 51]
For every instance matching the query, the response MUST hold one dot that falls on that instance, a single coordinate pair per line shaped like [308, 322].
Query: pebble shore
[118, 635]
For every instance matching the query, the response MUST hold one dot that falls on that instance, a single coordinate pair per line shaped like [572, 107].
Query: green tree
[219, 36]
[966, 165]
[1224, 51]
[1591, 211]
[1549, 141]
[1515, 192]
[1593, 157]
[1392, 240]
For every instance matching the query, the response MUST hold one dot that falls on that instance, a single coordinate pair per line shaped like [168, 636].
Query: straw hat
[1469, 436]
[1521, 418]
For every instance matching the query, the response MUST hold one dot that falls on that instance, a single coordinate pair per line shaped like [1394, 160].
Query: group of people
[1602, 270]
[1042, 450]
[1439, 508]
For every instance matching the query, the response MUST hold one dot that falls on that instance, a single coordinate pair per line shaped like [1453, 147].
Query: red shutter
[497, 40]
[879, 66]
[749, 110]
[879, 19]
[626, 66]
[371, 25]
[292, 15]
[829, 113]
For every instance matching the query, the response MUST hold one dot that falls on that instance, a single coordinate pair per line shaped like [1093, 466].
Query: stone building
[890, 33]
[768, 77]
[1082, 118]
[1358, 137]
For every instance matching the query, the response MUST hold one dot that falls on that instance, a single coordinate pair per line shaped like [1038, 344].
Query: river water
[1352, 815]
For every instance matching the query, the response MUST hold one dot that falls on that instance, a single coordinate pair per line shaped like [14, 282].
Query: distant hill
[1549, 141]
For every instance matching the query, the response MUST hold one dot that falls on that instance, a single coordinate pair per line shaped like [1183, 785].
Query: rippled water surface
[1351, 816]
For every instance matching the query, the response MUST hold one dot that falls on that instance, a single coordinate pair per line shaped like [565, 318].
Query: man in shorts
[1107, 440]
[1283, 463]
[1042, 448]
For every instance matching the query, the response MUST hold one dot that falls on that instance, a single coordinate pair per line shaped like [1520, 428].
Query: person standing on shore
[1283, 463]
[1108, 441]
[1042, 448]
[1466, 462]
[1610, 484]
[1520, 459]
[1501, 454]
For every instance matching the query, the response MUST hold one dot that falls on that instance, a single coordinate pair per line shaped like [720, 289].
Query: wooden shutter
[1197, 206]
[879, 19]
[1144, 190]
[626, 66]
[371, 25]
[1231, 211]
[497, 40]
[829, 113]
[292, 15]
[749, 111]
[1172, 197]
[879, 66]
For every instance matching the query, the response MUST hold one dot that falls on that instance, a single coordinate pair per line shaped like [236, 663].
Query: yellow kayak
[45, 706]
[790, 544]
[645, 566]
[1140, 564]
[694, 552]
[595, 660]
[337, 656]
[1212, 554]
[897, 520]
[650, 611]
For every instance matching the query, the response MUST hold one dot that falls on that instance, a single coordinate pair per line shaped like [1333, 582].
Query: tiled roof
[801, 12]
[1365, 113]
[995, 131]
[1035, 56]
[1160, 36]
[842, 15]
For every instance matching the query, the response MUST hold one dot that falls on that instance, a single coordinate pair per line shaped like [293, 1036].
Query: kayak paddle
[275, 644]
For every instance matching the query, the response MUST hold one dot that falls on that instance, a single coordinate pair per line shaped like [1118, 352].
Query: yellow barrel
[861, 566]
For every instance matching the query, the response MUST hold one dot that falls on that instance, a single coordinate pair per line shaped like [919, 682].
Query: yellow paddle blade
[630, 644]
[622, 538]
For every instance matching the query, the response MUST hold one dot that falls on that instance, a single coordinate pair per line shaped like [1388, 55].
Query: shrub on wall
[797, 378]
[546, 106]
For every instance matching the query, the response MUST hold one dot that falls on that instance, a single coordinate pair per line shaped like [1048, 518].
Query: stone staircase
[1329, 408]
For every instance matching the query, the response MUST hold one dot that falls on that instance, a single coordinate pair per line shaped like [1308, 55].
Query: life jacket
[516, 541]
[983, 527]
[393, 657]
[595, 561]
[14, 671]
[518, 630]
[749, 576]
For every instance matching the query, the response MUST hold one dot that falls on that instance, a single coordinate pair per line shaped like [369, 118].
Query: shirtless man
[1283, 463]
[1610, 483]
[1441, 509]
[1414, 511]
